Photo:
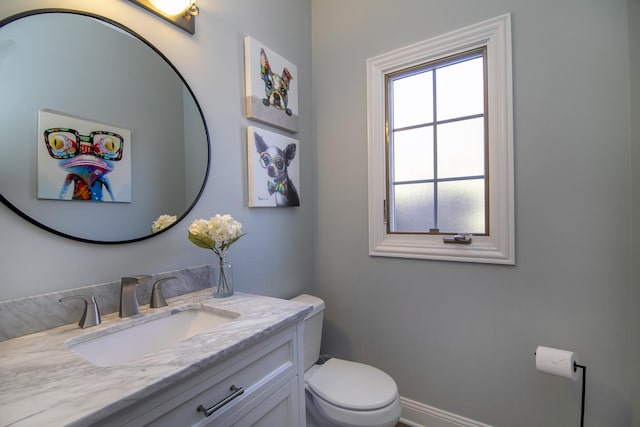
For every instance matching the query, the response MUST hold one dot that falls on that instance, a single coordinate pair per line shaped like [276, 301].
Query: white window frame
[499, 246]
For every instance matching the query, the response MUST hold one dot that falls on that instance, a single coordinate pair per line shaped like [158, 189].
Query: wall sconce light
[179, 12]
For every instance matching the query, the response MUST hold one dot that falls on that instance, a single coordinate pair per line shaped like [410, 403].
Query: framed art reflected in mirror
[94, 70]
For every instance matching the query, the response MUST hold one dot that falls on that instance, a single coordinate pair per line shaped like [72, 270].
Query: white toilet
[340, 393]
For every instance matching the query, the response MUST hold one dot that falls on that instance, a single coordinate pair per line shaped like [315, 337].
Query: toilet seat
[352, 385]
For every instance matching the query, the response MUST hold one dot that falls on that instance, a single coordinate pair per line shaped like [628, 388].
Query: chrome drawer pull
[237, 391]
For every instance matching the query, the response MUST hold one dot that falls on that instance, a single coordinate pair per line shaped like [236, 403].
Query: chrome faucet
[128, 298]
[91, 314]
[157, 298]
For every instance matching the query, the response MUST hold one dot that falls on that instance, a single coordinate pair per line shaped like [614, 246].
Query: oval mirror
[100, 133]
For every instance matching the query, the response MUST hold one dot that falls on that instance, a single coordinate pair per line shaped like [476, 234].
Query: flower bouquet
[162, 222]
[218, 234]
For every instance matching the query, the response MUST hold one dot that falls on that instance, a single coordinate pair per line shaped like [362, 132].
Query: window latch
[384, 211]
[460, 239]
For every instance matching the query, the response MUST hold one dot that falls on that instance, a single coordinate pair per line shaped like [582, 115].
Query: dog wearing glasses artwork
[272, 169]
[84, 160]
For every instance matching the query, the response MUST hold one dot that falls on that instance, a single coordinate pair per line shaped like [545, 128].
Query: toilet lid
[353, 385]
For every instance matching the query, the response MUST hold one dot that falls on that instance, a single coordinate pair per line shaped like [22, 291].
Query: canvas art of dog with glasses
[273, 169]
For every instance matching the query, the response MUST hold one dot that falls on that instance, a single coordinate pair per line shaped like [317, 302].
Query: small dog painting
[273, 169]
[276, 87]
[270, 97]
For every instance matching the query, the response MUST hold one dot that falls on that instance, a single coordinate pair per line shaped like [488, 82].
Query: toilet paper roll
[556, 362]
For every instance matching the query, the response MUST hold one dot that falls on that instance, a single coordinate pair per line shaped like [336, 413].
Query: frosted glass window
[413, 207]
[440, 147]
[437, 142]
[461, 206]
[460, 89]
[461, 148]
[413, 154]
[413, 100]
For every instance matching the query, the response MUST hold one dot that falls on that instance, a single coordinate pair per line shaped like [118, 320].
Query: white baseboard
[417, 414]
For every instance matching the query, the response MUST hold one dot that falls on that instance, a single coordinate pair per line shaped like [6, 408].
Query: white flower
[217, 233]
[163, 222]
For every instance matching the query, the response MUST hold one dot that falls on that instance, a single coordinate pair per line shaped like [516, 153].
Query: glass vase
[222, 277]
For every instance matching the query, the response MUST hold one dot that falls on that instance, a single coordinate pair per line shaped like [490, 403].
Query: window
[436, 147]
[440, 143]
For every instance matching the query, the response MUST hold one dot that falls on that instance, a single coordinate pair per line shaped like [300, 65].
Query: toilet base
[315, 419]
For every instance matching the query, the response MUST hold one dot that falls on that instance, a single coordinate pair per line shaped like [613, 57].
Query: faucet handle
[91, 315]
[157, 299]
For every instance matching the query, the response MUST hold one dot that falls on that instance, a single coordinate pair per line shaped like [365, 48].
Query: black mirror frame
[33, 221]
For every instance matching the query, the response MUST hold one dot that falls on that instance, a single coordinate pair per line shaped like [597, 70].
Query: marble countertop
[42, 382]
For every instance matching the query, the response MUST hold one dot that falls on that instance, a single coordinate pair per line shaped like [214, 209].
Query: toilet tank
[312, 328]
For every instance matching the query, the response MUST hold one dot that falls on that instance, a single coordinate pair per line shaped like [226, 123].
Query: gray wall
[634, 59]
[276, 257]
[461, 337]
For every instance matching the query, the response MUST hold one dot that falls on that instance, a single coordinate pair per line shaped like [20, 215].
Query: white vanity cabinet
[261, 385]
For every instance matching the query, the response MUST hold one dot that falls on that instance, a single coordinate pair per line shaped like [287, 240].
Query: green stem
[223, 284]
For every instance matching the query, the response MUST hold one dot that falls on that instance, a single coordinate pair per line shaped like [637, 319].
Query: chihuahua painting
[276, 159]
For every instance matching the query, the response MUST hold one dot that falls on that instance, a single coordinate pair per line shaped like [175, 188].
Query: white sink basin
[124, 345]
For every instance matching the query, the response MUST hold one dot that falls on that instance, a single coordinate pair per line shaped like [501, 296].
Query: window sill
[481, 250]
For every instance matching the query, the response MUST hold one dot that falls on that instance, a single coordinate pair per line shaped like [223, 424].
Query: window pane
[460, 89]
[461, 148]
[413, 154]
[451, 148]
[413, 100]
[461, 206]
[413, 208]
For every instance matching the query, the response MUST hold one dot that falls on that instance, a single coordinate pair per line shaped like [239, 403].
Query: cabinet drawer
[274, 367]
[266, 364]
[279, 409]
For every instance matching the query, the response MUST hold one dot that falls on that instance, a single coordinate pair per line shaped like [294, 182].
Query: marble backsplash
[28, 315]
